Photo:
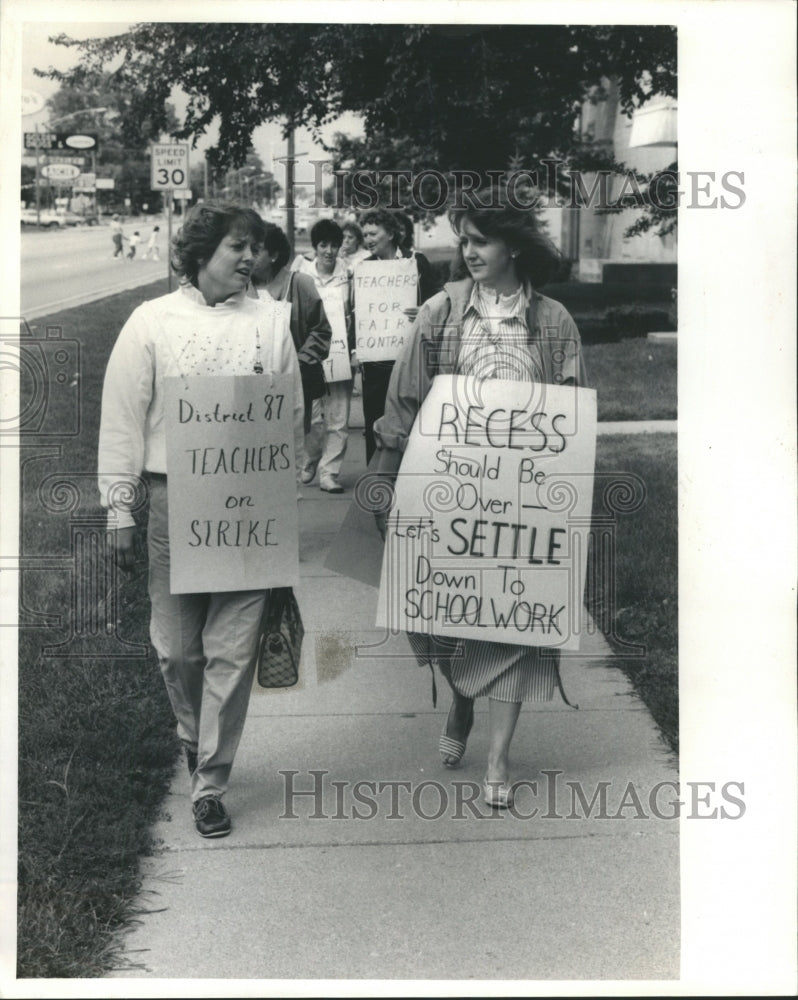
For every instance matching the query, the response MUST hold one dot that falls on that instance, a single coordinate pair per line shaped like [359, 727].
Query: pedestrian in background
[491, 322]
[153, 249]
[134, 241]
[116, 235]
[326, 441]
[382, 234]
[206, 642]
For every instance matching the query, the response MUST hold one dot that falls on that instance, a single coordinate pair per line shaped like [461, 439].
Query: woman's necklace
[258, 366]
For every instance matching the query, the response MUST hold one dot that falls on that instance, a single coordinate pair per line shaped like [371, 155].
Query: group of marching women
[232, 266]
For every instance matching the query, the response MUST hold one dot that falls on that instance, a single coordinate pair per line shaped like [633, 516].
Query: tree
[443, 97]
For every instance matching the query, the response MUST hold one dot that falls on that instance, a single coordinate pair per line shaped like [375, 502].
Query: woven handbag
[280, 640]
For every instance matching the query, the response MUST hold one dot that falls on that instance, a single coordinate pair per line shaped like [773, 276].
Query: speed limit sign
[169, 166]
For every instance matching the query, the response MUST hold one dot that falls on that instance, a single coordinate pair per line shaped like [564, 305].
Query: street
[66, 267]
[62, 268]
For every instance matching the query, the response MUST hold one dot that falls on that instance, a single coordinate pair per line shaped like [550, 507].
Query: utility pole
[38, 180]
[289, 192]
[94, 172]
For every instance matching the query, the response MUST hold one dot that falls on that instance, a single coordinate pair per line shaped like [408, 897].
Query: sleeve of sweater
[127, 394]
[314, 334]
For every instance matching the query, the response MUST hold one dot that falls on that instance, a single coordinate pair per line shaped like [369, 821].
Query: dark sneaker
[307, 475]
[211, 817]
[191, 757]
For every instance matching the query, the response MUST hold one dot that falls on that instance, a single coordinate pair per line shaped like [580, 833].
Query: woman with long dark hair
[490, 321]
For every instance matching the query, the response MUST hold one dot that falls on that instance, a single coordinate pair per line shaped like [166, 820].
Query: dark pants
[376, 376]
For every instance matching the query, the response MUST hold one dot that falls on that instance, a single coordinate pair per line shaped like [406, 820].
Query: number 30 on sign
[169, 166]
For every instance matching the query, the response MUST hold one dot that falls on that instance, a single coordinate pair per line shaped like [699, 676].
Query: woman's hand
[411, 312]
[124, 545]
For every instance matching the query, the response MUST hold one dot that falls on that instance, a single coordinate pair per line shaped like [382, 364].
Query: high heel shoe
[450, 749]
[497, 794]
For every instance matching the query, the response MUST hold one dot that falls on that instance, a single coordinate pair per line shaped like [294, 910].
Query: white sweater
[180, 335]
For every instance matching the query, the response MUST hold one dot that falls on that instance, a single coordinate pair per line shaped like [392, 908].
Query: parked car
[46, 218]
[51, 220]
[71, 219]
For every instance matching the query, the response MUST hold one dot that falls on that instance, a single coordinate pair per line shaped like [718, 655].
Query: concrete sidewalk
[414, 878]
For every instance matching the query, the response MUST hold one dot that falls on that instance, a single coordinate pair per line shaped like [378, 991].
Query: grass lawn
[97, 748]
[645, 575]
[635, 379]
[96, 738]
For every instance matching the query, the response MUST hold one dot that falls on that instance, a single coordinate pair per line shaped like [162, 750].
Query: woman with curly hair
[206, 642]
[490, 321]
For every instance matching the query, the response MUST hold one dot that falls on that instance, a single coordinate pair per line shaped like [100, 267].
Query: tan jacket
[433, 349]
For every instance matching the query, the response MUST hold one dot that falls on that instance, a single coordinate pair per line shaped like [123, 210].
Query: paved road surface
[63, 268]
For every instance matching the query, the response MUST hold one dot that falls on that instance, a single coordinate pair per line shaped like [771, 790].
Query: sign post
[169, 172]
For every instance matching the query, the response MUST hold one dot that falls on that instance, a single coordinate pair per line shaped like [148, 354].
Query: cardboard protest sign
[488, 534]
[383, 290]
[232, 482]
[336, 366]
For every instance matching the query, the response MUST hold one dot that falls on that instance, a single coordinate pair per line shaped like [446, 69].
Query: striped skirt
[499, 670]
